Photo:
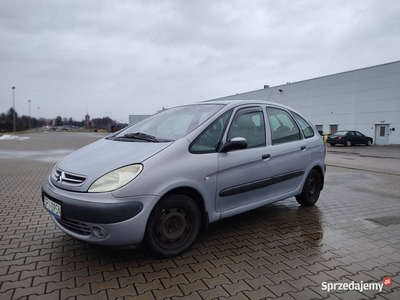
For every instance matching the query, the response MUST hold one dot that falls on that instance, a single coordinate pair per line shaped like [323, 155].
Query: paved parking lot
[279, 251]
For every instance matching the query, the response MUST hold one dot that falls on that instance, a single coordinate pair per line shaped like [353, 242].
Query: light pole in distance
[29, 101]
[15, 125]
[108, 120]
[38, 109]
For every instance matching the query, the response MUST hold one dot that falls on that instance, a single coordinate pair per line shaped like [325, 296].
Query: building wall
[136, 118]
[358, 99]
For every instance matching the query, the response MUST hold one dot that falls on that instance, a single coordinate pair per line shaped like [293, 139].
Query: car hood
[104, 156]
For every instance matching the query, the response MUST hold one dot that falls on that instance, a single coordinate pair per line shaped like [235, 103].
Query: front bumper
[101, 218]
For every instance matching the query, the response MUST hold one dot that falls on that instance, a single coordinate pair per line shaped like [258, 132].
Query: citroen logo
[61, 177]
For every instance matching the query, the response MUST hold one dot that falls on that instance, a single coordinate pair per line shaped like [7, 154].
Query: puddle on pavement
[386, 221]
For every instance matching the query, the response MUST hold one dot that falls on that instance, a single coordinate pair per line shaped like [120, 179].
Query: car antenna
[270, 94]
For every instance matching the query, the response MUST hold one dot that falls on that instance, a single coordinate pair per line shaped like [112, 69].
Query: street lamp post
[15, 125]
[29, 101]
[38, 108]
[108, 120]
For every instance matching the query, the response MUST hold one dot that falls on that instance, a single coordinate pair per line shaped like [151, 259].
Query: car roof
[243, 102]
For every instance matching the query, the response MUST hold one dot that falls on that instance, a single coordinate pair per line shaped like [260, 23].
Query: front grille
[68, 178]
[74, 226]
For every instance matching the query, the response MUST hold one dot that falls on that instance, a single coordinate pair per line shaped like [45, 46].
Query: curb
[359, 169]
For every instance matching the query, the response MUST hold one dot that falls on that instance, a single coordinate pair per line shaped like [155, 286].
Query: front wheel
[369, 143]
[173, 226]
[311, 189]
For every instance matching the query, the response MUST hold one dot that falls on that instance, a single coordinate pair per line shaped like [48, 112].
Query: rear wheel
[348, 143]
[332, 144]
[369, 143]
[173, 226]
[311, 189]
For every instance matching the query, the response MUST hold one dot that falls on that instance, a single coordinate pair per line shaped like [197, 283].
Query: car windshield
[169, 125]
[341, 133]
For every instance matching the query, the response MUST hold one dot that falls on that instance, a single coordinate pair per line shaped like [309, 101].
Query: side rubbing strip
[287, 176]
[245, 187]
[259, 184]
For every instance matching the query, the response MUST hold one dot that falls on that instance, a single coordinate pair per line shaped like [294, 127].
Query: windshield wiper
[141, 136]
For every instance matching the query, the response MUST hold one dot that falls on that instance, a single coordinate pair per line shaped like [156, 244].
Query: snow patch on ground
[45, 156]
[14, 137]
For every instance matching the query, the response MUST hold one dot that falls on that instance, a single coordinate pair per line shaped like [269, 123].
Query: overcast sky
[133, 57]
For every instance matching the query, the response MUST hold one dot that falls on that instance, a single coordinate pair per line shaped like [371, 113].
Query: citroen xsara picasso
[162, 180]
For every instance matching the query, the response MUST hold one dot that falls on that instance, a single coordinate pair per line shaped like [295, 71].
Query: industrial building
[367, 100]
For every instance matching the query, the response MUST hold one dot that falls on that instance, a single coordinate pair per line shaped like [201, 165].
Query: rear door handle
[303, 147]
[266, 156]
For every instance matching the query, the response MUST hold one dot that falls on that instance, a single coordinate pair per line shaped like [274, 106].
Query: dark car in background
[349, 138]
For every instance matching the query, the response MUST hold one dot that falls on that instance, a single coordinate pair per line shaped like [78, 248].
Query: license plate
[52, 207]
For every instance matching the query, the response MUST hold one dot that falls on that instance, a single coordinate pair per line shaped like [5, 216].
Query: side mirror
[234, 144]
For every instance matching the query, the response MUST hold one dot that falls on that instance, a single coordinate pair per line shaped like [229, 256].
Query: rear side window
[305, 127]
[282, 125]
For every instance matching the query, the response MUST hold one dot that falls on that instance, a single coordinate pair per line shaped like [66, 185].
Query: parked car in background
[349, 138]
[161, 180]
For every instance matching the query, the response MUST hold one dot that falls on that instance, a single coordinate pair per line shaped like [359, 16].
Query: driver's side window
[208, 141]
[249, 124]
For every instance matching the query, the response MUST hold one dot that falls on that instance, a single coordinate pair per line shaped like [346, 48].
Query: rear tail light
[338, 137]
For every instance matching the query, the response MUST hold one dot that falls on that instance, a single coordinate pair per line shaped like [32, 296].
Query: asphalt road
[280, 251]
[375, 159]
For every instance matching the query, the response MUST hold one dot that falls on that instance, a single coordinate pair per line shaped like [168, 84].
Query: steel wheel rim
[173, 227]
[312, 187]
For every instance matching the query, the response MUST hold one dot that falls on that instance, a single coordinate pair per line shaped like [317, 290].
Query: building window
[333, 128]
[320, 129]
[382, 131]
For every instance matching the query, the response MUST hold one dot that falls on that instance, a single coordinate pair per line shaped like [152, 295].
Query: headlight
[115, 179]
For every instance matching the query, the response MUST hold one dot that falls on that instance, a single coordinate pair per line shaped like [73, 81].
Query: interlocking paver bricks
[180, 270]
[70, 292]
[280, 251]
[215, 281]
[168, 292]
[95, 296]
[99, 286]
[280, 289]
[148, 286]
[213, 293]
[33, 290]
[124, 281]
[193, 287]
[261, 293]
[176, 280]
[120, 292]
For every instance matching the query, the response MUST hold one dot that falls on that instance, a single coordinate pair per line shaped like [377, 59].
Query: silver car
[162, 180]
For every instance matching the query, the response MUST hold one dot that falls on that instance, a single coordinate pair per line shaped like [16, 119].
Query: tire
[173, 226]
[311, 189]
[348, 143]
[368, 143]
[332, 144]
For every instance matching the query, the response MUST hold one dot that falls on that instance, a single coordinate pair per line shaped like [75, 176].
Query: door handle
[266, 156]
[303, 148]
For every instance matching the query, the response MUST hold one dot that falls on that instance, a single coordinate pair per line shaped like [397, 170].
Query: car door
[351, 137]
[243, 175]
[360, 138]
[289, 154]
